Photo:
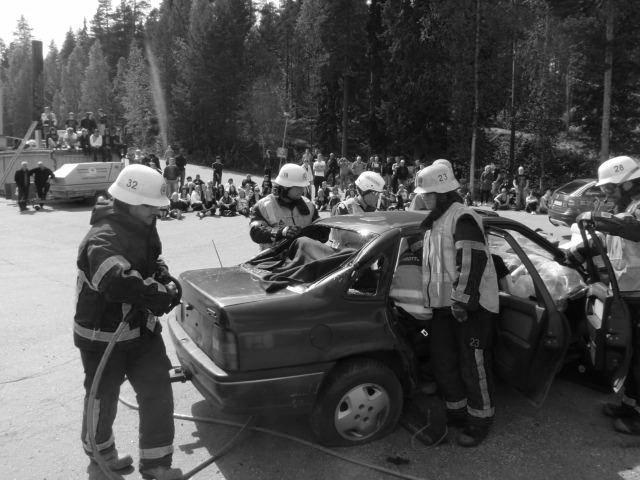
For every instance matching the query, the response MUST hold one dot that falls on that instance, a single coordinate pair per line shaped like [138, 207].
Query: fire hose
[248, 425]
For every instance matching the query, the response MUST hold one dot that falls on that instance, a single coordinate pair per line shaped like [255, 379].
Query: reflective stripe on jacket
[439, 264]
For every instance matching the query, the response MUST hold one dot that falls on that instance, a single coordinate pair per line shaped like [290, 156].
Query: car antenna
[217, 254]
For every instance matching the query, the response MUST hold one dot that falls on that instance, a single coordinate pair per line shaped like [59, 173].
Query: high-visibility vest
[406, 286]
[278, 216]
[439, 263]
[625, 257]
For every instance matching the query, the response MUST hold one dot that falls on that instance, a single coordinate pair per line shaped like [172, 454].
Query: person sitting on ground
[198, 181]
[227, 205]
[231, 188]
[184, 200]
[545, 200]
[175, 210]
[531, 203]
[69, 139]
[321, 201]
[219, 192]
[196, 199]
[351, 191]
[334, 198]
[243, 203]
[255, 196]
[209, 203]
[248, 182]
[189, 184]
[266, 186]
[501, 201]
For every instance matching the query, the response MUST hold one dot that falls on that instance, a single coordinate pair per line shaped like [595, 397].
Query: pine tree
[95, 86]
[18, 88]
[138, 101]
[71, 80]
[51, 73]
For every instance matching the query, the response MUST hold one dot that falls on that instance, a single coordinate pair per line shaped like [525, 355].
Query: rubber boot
[472, 435]
[115, 462]
[629, 425]
[161, 473]
[457, 418]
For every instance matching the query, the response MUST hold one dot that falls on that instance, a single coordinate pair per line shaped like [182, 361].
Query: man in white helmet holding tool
[461, 288]
[369, 186]
[619, 179]
[121, 278]
[284, 212]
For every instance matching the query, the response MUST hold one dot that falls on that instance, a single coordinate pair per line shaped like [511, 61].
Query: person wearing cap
[619, 179]
[42, 176]
[369, 186]
[22, 177]
[285, 211]
[217, 171]
[122, 278]
[88, 122]
[460, 286]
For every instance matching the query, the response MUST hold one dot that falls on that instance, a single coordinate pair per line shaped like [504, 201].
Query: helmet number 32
[132, 184]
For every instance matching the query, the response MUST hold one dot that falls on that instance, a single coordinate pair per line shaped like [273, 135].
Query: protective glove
[573, 257]
[291, 232]
[162, 275]
[459, 312]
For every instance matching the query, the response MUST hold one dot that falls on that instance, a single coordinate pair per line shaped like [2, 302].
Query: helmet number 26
[618, 168]
[132, 184]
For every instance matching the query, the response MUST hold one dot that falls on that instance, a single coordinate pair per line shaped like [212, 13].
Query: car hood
[226, 286]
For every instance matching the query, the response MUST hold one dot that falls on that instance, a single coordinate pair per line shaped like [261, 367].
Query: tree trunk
[606, 102]
[476, 104]
[345, 112]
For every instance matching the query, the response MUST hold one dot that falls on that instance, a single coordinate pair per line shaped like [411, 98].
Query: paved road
[41, 383]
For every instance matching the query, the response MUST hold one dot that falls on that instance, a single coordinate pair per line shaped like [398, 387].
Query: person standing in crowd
[545, 200]
[401, 175]
[71, 122]
[88, 122]
[345, 170]
[333, 170]
[122, 278]
[171, 174]
[181, 163]
[619, 179]
[521, 184]
[217, 171]
[48, 120]
[486, 179]
[284, 212]
[42, 176]
[95, 142]
[22, 177]
[319, 168]
[369, 186]
[102, 122]
[461, 287]
[307, 156]
[306, 164]
[357, 167]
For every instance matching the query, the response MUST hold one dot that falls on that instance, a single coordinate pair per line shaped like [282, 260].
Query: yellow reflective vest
[439, 264]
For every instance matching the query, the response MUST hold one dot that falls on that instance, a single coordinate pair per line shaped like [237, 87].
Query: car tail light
[224, 345]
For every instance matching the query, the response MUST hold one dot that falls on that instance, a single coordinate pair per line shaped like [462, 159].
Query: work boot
[161, 473]
[472, 435]
[457, 418]
[618, 410]
[114, 462]
[629, 425]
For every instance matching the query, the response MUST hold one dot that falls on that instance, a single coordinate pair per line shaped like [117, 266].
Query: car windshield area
[317, 252]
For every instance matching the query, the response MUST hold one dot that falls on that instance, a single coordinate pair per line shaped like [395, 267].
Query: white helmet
[140, 185]
[367, 181]
[436, 178]
[292, 175]
[443, 161]
[618, 170]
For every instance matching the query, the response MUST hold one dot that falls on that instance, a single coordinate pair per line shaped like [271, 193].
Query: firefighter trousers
[631, 394]
[461, 359]
[146, 366]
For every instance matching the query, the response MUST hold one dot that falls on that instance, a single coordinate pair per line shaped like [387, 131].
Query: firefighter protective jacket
[117, 260]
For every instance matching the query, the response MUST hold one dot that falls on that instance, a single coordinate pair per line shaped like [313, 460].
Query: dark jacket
[22, 178]
[117, 261]
[41, 175]
[171, 172]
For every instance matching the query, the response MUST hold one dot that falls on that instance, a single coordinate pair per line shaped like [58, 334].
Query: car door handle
[188, 306]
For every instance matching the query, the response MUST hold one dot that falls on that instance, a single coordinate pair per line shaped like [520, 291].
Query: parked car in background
[309, 326]
[573, 198]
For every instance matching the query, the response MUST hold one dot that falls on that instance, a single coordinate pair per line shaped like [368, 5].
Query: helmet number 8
[442, 177]
[132, 184]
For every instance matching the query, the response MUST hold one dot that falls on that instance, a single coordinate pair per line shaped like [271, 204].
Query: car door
[532, 334]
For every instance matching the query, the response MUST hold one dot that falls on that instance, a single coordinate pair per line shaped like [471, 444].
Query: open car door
[532, 334]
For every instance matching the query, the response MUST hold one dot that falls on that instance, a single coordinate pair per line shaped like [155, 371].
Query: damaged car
[309, 325]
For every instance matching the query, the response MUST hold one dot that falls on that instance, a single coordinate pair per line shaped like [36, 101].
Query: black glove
[459, 312]
[162, 275]
[173, 292]
[291, 232]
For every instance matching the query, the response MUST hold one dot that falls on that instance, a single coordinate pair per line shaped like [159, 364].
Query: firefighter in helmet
[369, 186]
[460, 286]
[122, 278]
[285, 211]
[619, 179]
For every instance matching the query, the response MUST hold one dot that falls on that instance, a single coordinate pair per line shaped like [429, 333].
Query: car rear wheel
[361, 401]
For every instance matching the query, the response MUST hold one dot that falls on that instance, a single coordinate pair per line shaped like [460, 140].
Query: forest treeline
[549, 84]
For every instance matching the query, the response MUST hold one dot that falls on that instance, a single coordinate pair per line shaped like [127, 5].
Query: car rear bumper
[290, 389]
[563, 218]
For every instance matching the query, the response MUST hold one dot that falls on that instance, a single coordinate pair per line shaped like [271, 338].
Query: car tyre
[360, 401]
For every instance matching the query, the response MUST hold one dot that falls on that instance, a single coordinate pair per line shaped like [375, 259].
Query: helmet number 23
[442, 177]
[132, 184]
